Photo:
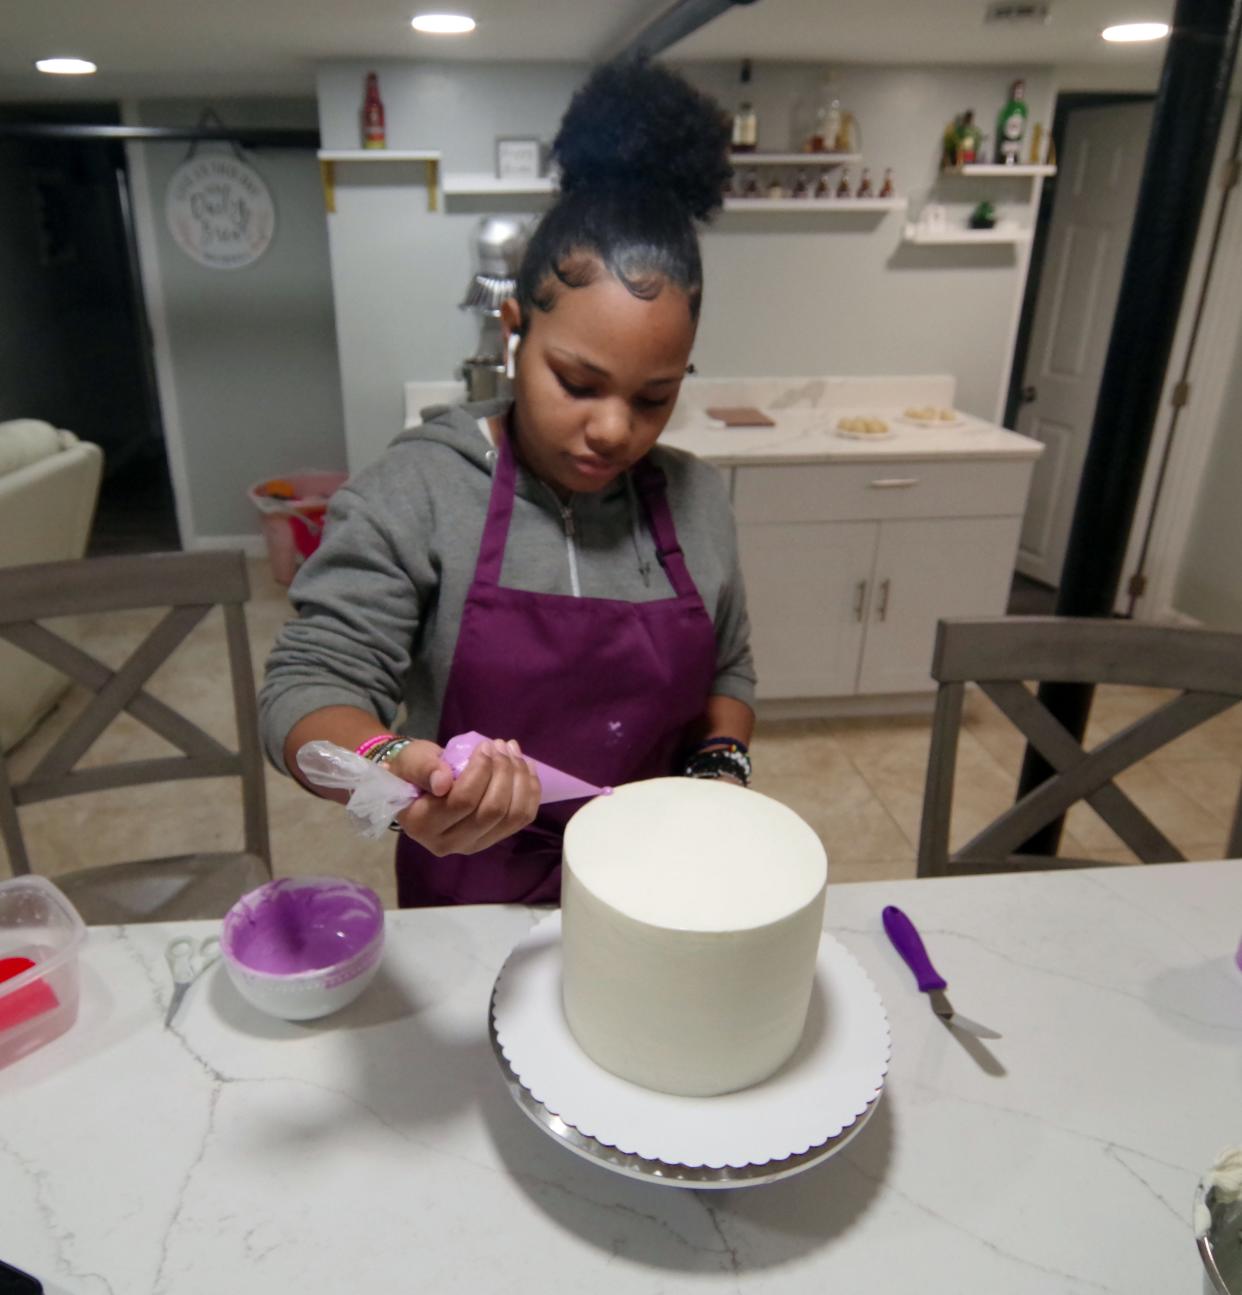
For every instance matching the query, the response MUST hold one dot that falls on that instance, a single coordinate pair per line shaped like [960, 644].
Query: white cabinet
[848, 567]
[926, 570]
[806, 590]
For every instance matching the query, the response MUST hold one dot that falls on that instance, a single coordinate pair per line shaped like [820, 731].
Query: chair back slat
[1002, 655]
[117, 690]
[130, 773]
[189, 585]
[254, 785]
[1071, 650]
[44, 590]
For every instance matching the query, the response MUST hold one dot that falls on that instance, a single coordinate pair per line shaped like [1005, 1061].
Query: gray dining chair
[189, 585]
[1003, 656]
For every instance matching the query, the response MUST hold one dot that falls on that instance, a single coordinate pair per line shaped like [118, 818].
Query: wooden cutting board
[740, 416]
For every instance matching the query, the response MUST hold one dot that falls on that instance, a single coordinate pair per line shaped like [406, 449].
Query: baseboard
[251, 545]
[893, 704]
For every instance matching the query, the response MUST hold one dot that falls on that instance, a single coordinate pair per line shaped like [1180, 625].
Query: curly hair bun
[635, 123]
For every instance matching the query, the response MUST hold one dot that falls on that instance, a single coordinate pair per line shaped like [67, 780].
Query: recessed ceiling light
[1132, 31]
[65, 66]
[442, 24]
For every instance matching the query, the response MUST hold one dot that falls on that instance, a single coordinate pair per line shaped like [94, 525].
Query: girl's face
[597, 378]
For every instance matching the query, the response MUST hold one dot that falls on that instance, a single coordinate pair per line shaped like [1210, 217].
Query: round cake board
[794, 1119]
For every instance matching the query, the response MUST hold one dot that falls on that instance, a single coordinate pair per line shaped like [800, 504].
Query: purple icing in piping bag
[554, 784]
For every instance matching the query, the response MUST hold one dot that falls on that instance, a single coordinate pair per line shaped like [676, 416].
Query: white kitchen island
[853, 549]
[380, 1150]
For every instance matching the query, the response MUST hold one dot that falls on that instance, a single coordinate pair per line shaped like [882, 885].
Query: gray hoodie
[379, 603]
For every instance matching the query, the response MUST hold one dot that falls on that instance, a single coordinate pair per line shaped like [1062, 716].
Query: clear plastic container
[40, 934]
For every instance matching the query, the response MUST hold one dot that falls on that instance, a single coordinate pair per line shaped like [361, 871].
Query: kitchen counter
[806, 411]
[380, 1151]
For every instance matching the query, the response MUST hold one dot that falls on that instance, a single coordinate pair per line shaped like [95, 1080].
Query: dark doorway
[76, 349]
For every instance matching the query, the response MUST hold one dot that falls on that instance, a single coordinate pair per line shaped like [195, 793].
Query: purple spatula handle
[907, 941]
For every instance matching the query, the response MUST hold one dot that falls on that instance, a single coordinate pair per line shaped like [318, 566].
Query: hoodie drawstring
[644, 566]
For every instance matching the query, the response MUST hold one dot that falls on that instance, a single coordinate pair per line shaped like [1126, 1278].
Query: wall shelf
[815, 204]
[482, 183]
[330, 157]
[793, 159]
[1000, 170]
[959, 236]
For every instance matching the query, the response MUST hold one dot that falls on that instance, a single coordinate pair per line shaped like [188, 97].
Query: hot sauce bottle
[373, 135]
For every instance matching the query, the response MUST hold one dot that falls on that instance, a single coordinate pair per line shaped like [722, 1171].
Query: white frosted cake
[692, 913]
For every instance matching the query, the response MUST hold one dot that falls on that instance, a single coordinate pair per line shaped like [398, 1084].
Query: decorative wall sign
[518, 158]
[220, 211]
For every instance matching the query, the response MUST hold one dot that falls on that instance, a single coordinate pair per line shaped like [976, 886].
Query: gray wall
[253, 351]
[785, 295]
[1209, 586]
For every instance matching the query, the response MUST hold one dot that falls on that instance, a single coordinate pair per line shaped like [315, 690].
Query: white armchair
[49, 484]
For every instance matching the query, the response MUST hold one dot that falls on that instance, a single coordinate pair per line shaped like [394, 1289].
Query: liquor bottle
[746, 119]
[827, 127]
[750, 185]
[1011, 126]
[822, 188]
[802, 188]
[886, 189]
[373, 135]
[864, 184]
[843, 185]
[967, 139]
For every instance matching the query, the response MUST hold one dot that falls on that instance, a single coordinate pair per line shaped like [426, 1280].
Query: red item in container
[24, 1004]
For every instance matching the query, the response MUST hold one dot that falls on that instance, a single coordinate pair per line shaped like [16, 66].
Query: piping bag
[377, 796]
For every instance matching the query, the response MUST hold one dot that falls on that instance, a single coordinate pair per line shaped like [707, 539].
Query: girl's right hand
[496, 795]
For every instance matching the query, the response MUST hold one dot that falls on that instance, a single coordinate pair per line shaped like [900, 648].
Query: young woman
[540, 570]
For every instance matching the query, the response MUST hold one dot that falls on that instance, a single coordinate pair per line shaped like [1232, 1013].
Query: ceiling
[184, 48]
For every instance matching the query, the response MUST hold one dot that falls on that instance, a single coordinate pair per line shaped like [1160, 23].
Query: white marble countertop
[806, 412]
[380, 1151]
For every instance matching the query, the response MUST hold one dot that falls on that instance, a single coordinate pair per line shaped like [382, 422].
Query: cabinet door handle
[893, 483]
[860, 599]
[882, 610]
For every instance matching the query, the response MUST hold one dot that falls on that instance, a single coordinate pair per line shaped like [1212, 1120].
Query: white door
[925, 570]
[807, 587]
[1091, 217]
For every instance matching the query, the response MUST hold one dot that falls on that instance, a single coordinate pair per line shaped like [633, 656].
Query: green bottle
[1011, 126]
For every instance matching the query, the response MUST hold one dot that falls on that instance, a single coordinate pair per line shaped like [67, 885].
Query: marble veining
[380, 1148]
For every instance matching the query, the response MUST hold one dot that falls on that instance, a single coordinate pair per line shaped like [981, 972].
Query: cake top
[695, 855]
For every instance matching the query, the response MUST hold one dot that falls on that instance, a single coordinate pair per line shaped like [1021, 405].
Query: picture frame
[518, 157]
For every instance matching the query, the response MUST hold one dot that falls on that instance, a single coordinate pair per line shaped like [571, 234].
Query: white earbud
[511, 357]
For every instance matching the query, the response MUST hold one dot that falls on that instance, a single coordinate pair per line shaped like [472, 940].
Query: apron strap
[499, 514]
[650, 483]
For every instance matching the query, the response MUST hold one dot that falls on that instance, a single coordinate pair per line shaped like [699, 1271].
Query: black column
[1186, 122]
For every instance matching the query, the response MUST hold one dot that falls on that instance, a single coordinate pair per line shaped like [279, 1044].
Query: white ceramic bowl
[302, 947]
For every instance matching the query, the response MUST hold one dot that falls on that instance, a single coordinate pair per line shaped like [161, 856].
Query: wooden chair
[189, 585]
[1001, 655]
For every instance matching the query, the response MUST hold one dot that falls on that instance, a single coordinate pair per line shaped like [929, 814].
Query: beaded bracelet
[383, 753]
[364, 749]
[722, 762]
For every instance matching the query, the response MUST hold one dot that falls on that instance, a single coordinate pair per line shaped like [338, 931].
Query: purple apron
[600, 688]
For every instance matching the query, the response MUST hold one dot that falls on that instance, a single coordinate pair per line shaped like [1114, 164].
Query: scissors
[187, 960]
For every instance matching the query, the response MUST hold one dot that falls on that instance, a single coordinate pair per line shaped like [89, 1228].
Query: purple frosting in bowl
[299, 925]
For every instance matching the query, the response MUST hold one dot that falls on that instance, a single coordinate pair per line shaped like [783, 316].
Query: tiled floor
[859, 783]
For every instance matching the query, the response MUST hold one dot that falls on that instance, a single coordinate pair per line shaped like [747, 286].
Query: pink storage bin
[292, 526]
[40, 926]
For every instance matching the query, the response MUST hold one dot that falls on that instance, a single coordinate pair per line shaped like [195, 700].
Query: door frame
[1066, 102]
[1210, 372]
[1220, 330]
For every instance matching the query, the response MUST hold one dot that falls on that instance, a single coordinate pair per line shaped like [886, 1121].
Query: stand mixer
[499, 244]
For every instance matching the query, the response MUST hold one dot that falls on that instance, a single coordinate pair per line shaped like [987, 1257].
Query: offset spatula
[907, 941]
